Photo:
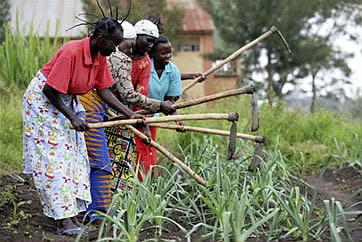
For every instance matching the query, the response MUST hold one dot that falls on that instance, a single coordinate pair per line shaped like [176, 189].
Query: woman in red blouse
[55, 154]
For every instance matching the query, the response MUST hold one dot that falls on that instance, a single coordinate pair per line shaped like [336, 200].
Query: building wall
[195, 61]
[47, 17]
[190, 62]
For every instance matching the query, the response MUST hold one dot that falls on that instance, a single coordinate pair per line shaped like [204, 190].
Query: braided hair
[105, 25]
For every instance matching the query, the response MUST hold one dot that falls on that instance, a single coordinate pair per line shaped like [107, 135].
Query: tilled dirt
[22, 218]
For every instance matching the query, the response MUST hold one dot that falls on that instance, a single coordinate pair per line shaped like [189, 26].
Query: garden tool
[147, 131]
[171, 157]
[206, 116]
[257, 139]
[251, 44]
[254, 113]
[244, 90]
[232, 141]
[257, 157]
[146, 127]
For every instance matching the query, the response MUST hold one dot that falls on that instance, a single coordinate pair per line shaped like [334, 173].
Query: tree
[321, 57]
[4, 17]
[240, 22]
[141, 9]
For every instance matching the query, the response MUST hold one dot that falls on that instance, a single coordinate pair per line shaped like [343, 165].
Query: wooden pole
[251, 44]
[258, 139]
[212, 116]
[244, 90]
[170, 156]
[254, 113]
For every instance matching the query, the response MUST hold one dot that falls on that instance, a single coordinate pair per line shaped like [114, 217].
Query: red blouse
[140, 75]
[72, 70]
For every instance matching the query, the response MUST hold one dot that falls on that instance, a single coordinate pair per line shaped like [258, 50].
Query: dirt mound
[22, 218]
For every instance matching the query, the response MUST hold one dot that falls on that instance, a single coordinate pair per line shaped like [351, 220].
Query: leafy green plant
[8, 200]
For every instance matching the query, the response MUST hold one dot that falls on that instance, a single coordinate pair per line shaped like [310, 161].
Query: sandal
[68, 232]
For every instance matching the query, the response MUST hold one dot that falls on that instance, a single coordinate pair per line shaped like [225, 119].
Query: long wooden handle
[213, 116]
[233, 56]
[254, 113]
[170, 156]
[257, 139]
[244, 90]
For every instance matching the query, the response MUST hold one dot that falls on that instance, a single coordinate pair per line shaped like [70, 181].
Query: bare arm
[54, 98]
[113, 102]
[120, 66]
[188, 76]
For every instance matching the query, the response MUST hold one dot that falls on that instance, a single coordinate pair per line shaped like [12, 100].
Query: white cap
[129, 31]
[146, 27]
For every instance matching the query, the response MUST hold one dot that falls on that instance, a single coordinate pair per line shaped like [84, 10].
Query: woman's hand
[139, 116]
[166, 107]
[200, 76]
[181, 124]
[79, 124]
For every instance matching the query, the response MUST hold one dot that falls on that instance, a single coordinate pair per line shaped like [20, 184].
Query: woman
[147, 35]
[55, 154]
[161, 27]
[164, 84]
[119, 64]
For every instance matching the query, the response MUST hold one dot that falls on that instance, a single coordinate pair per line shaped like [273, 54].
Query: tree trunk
[314, 91]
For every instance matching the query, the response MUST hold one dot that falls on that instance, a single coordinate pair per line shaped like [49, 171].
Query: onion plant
[335, 212]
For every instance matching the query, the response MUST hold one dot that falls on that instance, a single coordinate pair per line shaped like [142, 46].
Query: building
[197, 41]
[52, 17]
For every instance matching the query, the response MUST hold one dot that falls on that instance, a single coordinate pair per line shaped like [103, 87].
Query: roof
[196, 19]
[40, 13]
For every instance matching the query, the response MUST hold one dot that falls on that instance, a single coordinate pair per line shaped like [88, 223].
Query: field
[307, 186]
[29, 223]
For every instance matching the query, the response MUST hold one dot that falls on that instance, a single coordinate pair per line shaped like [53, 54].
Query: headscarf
[146, 27]
[129, 31]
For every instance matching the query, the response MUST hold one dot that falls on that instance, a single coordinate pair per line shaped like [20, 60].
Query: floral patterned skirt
[54, 154]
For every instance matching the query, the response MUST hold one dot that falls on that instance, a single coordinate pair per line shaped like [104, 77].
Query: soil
[28, 223]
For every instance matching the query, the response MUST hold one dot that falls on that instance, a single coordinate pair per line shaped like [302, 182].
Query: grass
[11, 142]
[236, 204]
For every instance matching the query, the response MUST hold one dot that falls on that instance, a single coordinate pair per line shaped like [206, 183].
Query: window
[190, 45]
